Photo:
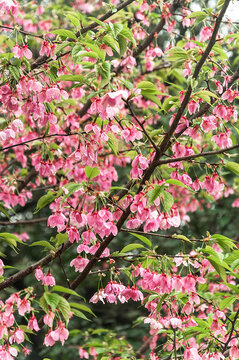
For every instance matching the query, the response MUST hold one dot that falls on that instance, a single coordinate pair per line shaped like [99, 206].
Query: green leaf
[225, 303]
[110, 41]
[128, 84]
[205, 95]
[154, 193]
[91, 172]
[142, 238]
[232, 166]
[53, 300]
[44, 304]
[65, 290]
[219, 269]
[60, 47]
[131, 247]
[75, 21]
[224, 242]
[61, 239]
[45, 200]
[113, 143]
[200, 15]
[14, 70]
[4, 210]
[98, 21]
[10, 239]
[43, 243]
[168, 201]
[104, 71]
[95, 48]
[117, 28]
[80, 314]
[71, 189]
[127, 33]
[170, 102]
[67, 77]
[122, 45]
[82, 307]
[152, 98]
[182, 237]
[177, 53]
[64, 308]
[177, 183]
[220, 51]
[147, 87]
[64, 33]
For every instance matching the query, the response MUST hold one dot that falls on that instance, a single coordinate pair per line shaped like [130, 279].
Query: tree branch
[190, 157]
[42, 59]
[164, 144]
[24, 222]
[42, 262]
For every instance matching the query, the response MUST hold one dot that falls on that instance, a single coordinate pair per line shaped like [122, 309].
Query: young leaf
[43, 243]
[91, 172]
[232, 166]
[64, 33]
[4, 210]
[142, 238]
[73, 19]
[177, 183]
[65, 290]
[147, 87]
[82, 307]
[64, 308]
[52, 300]
[168, 201]
[131, 247]
[80, 314]
[154, 193]
[225, 303]
[224, 242]
[45, 200]
[66, 77]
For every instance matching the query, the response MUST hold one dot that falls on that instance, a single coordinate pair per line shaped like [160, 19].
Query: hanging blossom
[109, 105]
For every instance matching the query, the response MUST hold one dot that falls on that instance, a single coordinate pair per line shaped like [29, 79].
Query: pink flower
[193, 106]
[205, 33]
[49, 341]
[191, 354]
[17, 337]
[57, 220]
[24, 307]
[33, 324]
[39, 273]
[48, 318]
[139, 164]
[49, 279]
[45, 48]
[1, 267]
[83, 353]
[176, 323]
[79, 263]
[61, 333]
[73, 234]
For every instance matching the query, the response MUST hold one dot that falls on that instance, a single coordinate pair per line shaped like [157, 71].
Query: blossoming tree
[124, 122]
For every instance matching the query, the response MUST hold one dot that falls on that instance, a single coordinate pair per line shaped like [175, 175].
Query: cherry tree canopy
[118, 118]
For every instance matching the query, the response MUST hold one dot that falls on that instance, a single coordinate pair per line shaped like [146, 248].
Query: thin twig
[142, 126]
